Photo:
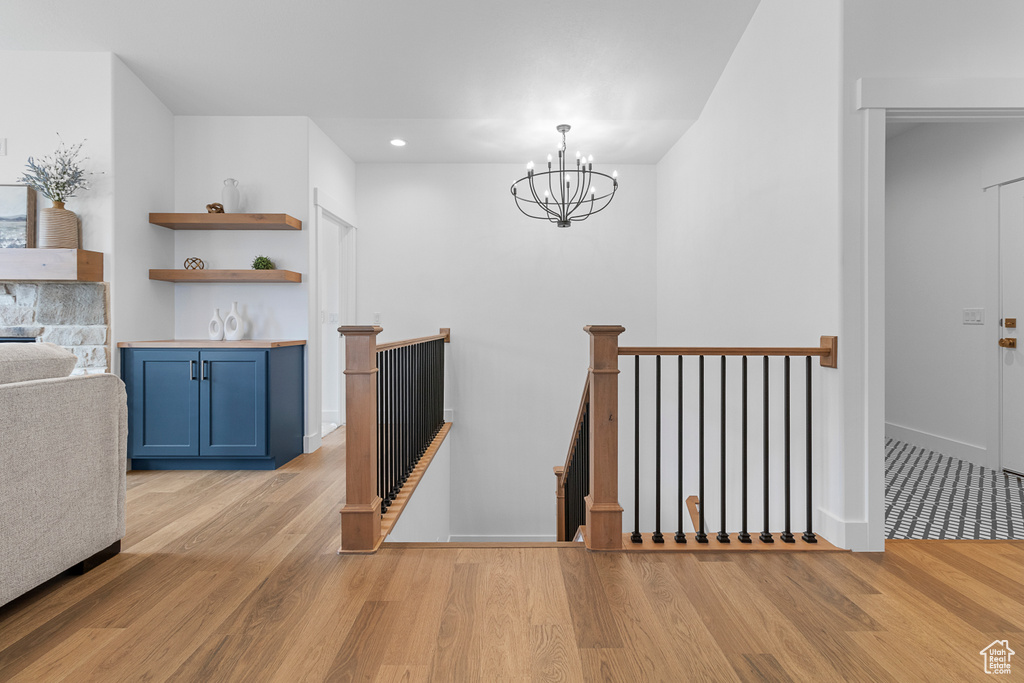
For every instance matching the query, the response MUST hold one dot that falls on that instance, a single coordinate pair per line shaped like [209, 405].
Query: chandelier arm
[542, 205]
[574, 202]
[584, 187]
[598, 210]
[530, 215]
[561, 183]
[551, 190]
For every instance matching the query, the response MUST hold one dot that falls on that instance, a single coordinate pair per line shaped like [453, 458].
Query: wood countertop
[208, 344]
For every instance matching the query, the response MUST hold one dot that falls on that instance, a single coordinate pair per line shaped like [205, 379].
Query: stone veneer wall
[72, 315]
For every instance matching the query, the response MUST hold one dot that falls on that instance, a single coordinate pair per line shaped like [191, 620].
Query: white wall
[748, 236]
[269, 157]
[913, 39]
[427, 517]
[277, 161]
[941, 244]
[46, 93]
[444, 246]
[143, 177]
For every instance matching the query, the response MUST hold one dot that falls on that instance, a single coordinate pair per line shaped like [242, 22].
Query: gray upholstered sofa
[63, 446]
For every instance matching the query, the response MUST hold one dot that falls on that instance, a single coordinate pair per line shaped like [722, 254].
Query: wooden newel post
[604, 514]
[560, 505]
[360, 518]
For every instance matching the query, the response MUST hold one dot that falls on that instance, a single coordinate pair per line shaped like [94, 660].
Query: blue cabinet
[203, 408]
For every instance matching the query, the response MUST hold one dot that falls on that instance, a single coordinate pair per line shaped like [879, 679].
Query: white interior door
[1011, 257]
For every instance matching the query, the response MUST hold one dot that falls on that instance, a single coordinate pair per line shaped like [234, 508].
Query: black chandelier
[571, 195]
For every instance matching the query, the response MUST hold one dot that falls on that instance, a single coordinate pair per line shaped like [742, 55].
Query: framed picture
[17, 217]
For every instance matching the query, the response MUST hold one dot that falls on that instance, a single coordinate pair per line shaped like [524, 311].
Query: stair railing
[394, 416]
[603, 514]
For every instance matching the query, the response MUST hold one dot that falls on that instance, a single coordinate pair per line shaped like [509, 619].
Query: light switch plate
[3, 147]
[974, 316]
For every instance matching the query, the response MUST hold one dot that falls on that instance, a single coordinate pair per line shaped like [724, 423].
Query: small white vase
[216, 326]
[229, 196]
[234, 324]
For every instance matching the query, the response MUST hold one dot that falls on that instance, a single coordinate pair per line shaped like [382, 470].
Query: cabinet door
[163, 388]
[233, 403]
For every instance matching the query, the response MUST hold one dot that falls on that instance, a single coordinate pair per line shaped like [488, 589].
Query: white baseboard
[849, 535]
[311, 442]
[545, 538]
[979, 455]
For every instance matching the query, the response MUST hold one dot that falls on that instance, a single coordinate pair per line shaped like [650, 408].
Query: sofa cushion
[24, 362]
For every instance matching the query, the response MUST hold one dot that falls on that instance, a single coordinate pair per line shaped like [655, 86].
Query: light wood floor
[233, 576]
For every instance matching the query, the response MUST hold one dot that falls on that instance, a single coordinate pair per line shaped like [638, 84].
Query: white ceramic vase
[229, 196]
[234, 324]
[58, 228]
[216, 326]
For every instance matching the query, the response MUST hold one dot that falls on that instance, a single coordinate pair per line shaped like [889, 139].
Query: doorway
[1011, 255]
[336, 265]
[951, 391]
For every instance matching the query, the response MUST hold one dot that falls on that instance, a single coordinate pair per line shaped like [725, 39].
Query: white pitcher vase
[216, 326]
[229, 196]
[234, 324]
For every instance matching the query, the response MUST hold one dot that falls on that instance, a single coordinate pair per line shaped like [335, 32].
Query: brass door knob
[1008, 342]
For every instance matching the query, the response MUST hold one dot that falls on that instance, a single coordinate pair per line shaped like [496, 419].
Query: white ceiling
[461, 80]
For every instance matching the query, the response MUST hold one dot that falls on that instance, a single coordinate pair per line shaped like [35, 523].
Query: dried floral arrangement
[58, 176]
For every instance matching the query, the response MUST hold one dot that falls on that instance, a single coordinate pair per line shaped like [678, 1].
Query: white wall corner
[449, 415]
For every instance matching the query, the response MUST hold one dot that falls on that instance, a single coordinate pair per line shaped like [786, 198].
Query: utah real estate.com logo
[997, 657]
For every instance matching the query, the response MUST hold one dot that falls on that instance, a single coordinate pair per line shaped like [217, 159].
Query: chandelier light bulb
[577, 154]
[615, 174]
[549, 158]
[529, 166]
[590, 159]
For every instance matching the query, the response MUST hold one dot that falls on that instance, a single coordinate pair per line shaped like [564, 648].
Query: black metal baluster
[635, 537]
[396, 453]
[585, 480]
[723, 537]
[380, 436]
[657, 536]
[680, 536]
[808, 535]
[406, 413]
[744, 535]
[386, 429]
[787, 534]
[700, 535]
[766, 536]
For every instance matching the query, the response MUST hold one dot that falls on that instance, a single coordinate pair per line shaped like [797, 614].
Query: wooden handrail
[827, 351]
[575, 430]
[445, 334]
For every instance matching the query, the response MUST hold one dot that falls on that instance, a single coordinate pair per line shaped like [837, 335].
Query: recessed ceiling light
[398, 142]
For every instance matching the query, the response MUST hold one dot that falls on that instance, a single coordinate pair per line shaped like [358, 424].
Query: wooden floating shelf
[225, 221]
[225, 275]
[53, 265]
